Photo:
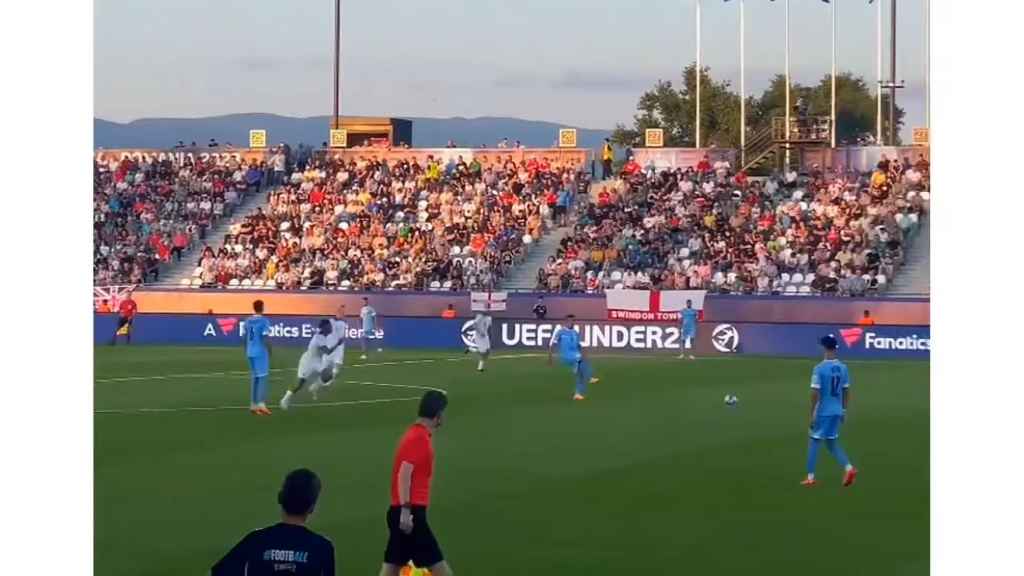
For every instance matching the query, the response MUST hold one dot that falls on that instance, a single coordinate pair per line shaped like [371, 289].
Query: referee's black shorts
[420, 546]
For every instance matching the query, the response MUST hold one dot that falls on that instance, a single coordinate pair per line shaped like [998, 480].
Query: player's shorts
[688, 333]
[311, 365]
[483, 346]
[420, 546]
[259, 365]
[571, 361]
[826, 427]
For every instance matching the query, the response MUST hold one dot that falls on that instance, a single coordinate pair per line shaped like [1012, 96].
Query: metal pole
[337, 62]
[787, 84]
[892, 80]
[878, 94]
[697, 119]
[927, 58]
[835, 25]
[743, 86]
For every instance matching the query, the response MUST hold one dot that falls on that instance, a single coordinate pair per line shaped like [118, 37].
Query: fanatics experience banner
[713, 338]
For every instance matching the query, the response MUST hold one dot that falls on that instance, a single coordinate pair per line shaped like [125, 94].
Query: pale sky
[578, 62]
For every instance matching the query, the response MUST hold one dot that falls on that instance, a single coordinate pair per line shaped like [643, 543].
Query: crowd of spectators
[374, 224]
[146, 212]
[707, 227]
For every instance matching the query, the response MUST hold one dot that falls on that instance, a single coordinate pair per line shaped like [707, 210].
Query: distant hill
[234, 128]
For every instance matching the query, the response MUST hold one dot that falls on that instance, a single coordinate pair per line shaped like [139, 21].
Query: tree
[673, 110]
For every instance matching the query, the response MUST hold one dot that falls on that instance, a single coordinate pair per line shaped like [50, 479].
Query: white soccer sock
[480, 366]
[287, 394]
[810, 476]
[849, 467]
[687, 343]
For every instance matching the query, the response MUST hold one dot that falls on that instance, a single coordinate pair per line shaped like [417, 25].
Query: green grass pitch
[651, 474]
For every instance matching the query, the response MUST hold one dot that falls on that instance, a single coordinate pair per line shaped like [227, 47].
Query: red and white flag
[651, 305]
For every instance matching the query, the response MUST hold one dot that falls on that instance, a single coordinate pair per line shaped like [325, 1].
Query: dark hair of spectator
[257, 306]
[299, 493]
[432, 404]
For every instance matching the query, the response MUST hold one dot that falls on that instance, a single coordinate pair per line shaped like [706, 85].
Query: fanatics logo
[227, 325]
[851, 336]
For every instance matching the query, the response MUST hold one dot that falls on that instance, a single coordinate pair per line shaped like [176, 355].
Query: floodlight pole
[337, 63]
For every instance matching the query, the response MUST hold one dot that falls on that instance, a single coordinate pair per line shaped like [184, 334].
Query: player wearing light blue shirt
[570, 352]
[688, 318]
[369, 318]
[255, 334]
[830, 396]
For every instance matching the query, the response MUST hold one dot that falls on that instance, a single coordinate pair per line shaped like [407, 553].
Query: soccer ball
[731, 400]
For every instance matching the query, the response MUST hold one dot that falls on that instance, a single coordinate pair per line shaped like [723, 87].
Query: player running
[336, 341]
[830, 396]
[410, 537]
[316, 363]
[369, 317]
[688, 328]
[570, 352]
[482, 338]
[257, 351]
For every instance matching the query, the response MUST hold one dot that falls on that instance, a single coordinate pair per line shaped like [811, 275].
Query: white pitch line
[221, 408]
[413, 386]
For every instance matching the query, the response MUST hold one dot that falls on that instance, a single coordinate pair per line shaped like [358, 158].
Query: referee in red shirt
[126, 310]
[410, 537]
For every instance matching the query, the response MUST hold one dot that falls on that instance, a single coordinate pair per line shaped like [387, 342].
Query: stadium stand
[370, 224]
[713, 229]
[146, 212]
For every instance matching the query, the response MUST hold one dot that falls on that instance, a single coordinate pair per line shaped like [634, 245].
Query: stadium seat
[270, 284]
[790, 290]
[618, 286]
[616, 275]
[469, 261]
[926, 196]
[805, 289]
[457, 260]
[197, 283]
[258, 283]
[447, 285]
[186, 282]
[233, 283]
[345, 285]
[684, 252]
[881, 279]
[718, 278]
[687, 264]
[246, 283]
[809, 278]
[435, 285]
[784, 277]
[797, 278]
[730, 277]
[197, 272]
[456, 250]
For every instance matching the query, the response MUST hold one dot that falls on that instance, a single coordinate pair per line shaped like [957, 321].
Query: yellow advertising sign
[339, 138]
[257, 138]
[921, 136]
[654, 138]
[567, 138]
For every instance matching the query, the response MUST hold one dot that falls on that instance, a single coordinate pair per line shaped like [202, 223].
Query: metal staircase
[767, 148]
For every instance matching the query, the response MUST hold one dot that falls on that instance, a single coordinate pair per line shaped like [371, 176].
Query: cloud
[264, 64]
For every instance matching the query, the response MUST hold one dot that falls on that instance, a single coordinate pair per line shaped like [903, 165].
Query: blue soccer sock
[254, 390]
[812, 456]
[264, 386]
[582, 377]
[832, 445]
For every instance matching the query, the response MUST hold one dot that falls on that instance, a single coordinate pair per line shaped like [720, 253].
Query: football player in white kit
[482, 337]
[313, 365]
[336, 341]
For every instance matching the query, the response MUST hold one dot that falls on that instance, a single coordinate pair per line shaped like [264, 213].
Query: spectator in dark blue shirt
[287, 547]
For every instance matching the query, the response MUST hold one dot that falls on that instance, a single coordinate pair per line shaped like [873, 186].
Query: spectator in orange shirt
[104, 307]
[866, 320]
[449, 312]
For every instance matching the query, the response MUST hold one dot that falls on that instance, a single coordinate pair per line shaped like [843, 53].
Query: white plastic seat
[718, 278]
[731, 276]
[447, 285]
[616, 275]
[258, 283]
[618, 286]
[881, 279]
[270, 284]
[797, 278]
[233, 283]
[684, 252]
[687, 264]
[926, 196]
[457, 259]
[186, 282]
[197, 272]
[456, 250]
[805, 289]
[435, 285]
[784, 277]
[469, 261]
[196, 282]
[809, 278]
[246, 283]
[791, 289]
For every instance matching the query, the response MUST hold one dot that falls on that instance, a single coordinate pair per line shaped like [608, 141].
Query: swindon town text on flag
[651, 305]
